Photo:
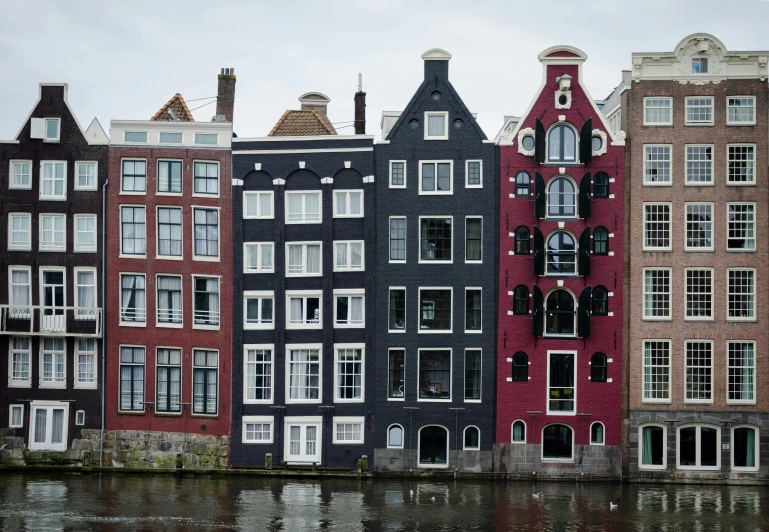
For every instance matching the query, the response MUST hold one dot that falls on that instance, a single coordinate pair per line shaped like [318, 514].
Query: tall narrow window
[169, 380]
[657, 221]
[396, 374]
[601, 185]
[699, 371]
[742, 372]
[473, 239]
[85, 294]
[133, 303]
[699, 294]
[561, 198]
[473, 310]
[206, 232]
[657, 164]
[598, 368]
[520, 366]
[397, 174]
[21, 361]
[169, 303]
[561, 388]
[521, 299]
[522, 184]
[304, 375]
[656, 302]
[600, 301]
[206, 178]
[741, 295]
[397, 321]
[131, 378]
[656, 370]
[699, 227]
[20, 231]
[169, 232]
[205, 381]
[653, 446]
[349, 374]
[206, 301]
[522, 240]
[741, 163]
[600, 241]
[85, 232]
[133, 176]
[472, 374]
[560, 313]
[519, 432]
[745, 452]
[398, 239]
[133, 231]
[170, 176]
[258, 375]
[561, 254]
[562, 144]
[21, 293]
[85, 360]
[435, 239]
[474, 174]
[741, 227]
[53, 232]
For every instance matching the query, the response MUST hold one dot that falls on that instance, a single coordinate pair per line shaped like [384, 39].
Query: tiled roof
[300, 124]
[179, 108]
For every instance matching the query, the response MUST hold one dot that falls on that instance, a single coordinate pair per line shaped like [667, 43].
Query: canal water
[75, 502]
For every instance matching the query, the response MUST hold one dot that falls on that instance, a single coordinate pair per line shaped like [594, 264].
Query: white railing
[169, 315]
[39, 320]
[206, 317]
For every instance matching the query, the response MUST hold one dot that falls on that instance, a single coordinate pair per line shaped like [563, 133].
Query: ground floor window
[745, 447]
[348, 430]
[472, 439]
[48, 426]
[519, 432]
[596, 433]
[205, 379]
[395, 437]
[302, 439]
[699, 446]
[257, 429]
[433, 446]
[652, 444]
[557, 442]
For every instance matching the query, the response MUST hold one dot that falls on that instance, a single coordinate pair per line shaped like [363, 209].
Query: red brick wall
[151, 337]
[602, 400]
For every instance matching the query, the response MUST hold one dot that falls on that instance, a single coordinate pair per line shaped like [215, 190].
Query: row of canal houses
[581, 295]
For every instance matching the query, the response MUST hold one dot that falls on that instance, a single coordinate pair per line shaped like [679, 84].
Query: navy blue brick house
[436, 282]
[303, 305]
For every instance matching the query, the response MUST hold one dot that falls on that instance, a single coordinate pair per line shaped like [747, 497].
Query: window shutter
[537, 304]
[584, 252]
[539, 196]
[539, 252]
[585, 200]
[583, 316]
[539, 141]
[37, 130]
[586, 142]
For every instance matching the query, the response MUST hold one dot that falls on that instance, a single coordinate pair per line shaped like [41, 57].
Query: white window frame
[123, 254]
[166, 324]
[445, 115]
[348, 266]
[405, 239]
[405, 166]
[349, 420]
[48, 405]
[303, 422]
[11, 175]
[753, 367]
[76, 377]
[11, 246]
[419, 311]
[419, 239]
[464, 446]
[755, 306]
[259, 215]
[437, 192]
[347, 203]
[467, 173]
[304, 219]
[669, 224]
[669, 368]
[216, 135]
[80, 417]
[337, 348]
[125, 133]
[689, 183]
[405, 362]
[86, 314]
[41, 287]
[261, 295]
[405, 308]
[603, 441]
[542, 457]
[686, 368]
[450, 398]
[273, 362]
[750, 183]
[576, 381]
[698, 447]
[52, 384]
[41, 246]
[525, 431]
[260, 420]
[464, 322]
[669, 315]
[57, 138]
[53, 197]
[78, 247]
[756, 446]
[688, 122]
[738, 123]
[470, 217]
[304, 294]
[349, 293]
[666, 98]
[304, 245]
[287, 370]
[161, 133]
[669, 182]
[146, 177]
[218, 381]
[403, 434]
[753, 226]
[464, 375]
[259, 246]
[203, 326]
[218, 179]
[95, 164]
[687, 293]
[712, 234]
[157, 232]
[134, 323]
[664, 465]
[12, 304]
[19, 383]
[219, 225]
[11, 408]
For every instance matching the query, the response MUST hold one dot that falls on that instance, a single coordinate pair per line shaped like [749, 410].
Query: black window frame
[600, 241]
[561, 205]
[561, 255]
[165, 229]
[441, 306]
[599, 370]
[522, 240]
[396, 373]
[521, 300]
[559, 295]
[521, 188]
[164, 372]
[399, 311]
[170, 164]
[601, 185]
[206, 179]
[438, 236]
[473, 374]
[520, 367]
[554, 444]
[561, 144]
[600, 301]
[473, 309]
[211, 244]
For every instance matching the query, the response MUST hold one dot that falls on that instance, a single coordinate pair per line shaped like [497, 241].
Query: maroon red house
[559, 371]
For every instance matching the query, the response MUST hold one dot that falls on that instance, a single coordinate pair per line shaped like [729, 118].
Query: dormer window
[562, 144]
[435, 125]
[48, 129]
[52, 129]
[699, 65]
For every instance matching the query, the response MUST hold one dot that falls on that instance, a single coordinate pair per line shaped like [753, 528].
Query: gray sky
[125, 60]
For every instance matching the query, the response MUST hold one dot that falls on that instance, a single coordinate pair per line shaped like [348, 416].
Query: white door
[53, 302]
[303, 443]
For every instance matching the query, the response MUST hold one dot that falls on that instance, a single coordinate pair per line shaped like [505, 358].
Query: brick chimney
[360, 108]
[225, 95]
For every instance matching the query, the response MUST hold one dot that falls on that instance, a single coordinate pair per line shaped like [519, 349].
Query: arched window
[561, 198]
[519, 432]
[520, 366]
[522, 241]
[561, 254]
[521, 299]
[522, 184]
[433, 446]
[601, 185]
[395, 437]
[559, 313]
[600, 301]
[596, 433]
[472, 439]
[562, 144]
[557, 442]
[600, 241]
[598, 368]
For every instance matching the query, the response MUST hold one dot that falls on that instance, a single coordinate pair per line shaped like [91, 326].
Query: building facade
[51, 286]
[436, 226]
[559, 339]
[698, 254]
[303, 312]
[169, 289]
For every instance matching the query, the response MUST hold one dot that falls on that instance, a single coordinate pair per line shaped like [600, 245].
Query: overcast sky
[124, 61]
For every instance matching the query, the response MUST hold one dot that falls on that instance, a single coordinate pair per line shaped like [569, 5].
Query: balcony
[19, 320]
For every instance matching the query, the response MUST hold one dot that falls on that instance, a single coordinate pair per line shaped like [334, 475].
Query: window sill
[699, 250]
[434, 331]
[669, 318]
[86, 386]
[19, 188]
[255, 442]
[746, 184]
[85, 251]
[656, 401]
[86, 189]
[558, 460]
[122, 256]
[348, 401]
[205, 327]
[52, 198]
[435, 261]
[132, 193]
[29, 248]
[698, 124]
[473, 331]
[52, 385]
[257, 402]
[656, 184]
[397, 331]
[349, 270]
[20, 385]
[163, 325]
[300, 275]
[652, 467]
[748, 124]
[313, 327]
[168, 257]
[345, 326]
[258, 217]
[303, 402]
[52, 250]
[741, 320]
[206, 416]
[740, 403]
[201, 195]
[169, 194]
[433, 466]
[131, 412]
[436, 192]
[198, 258]
[659, 125]
[294, 222]
[132, 324]
[703, 469]
[168, 414]
[252, 327]
[251, 272]
[699, 184]
[447, 400]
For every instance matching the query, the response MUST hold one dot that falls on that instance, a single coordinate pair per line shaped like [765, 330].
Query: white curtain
[163, 176]
[312, 206]
[295, 315]
[86, 284]
[265, 204]
[295, 258]
[212, 288]
[295, 206]
[266, 256]
[48, 179]
[170, 298]
[355, 203]
[341, 203]
[57, 426]
[356, 310]
[252, 256]
[251, 205]
[313, 259]
[356, 257]
[20, 282]
[41, 417]
[341, 255]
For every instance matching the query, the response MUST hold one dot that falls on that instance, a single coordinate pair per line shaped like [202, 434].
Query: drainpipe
[103, 312]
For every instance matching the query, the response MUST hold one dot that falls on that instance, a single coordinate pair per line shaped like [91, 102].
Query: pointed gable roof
[301, 124]
[174, 110]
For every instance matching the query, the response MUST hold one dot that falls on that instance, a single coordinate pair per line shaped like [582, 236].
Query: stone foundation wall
[401, 460]
[525, 459]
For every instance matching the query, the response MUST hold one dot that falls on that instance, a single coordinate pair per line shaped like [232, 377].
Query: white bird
[432, 499]
[535, 496]
[614, 505]
[411, 493]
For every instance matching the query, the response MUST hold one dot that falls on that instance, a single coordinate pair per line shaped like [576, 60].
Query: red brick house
[559, 366]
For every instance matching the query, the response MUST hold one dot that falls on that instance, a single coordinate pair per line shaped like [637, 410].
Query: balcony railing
[38, 320]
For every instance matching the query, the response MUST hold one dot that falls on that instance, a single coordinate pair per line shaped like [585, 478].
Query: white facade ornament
[620, 135]
[567, 102]
[527, 132]
[602, 135]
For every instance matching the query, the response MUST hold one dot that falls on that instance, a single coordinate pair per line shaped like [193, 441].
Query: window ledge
[162, 325]
[132, 324]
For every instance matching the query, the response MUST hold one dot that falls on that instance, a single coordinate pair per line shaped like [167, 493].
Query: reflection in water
[36, 501]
